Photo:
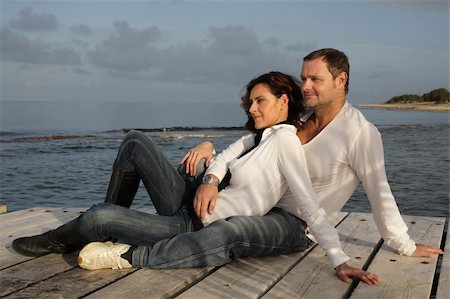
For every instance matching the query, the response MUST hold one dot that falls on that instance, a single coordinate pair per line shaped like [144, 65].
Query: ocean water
[61, 154]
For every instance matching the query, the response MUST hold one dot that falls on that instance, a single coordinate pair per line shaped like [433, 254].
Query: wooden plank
[246, 277]
[20, 276]
[402, 276]
[21, 271]
[443, 290]
[31, 222]
[50, 220]
[74, 283]
[150, 283]
[18, 216]
[314, 277]
[58, 276]
[26, 226]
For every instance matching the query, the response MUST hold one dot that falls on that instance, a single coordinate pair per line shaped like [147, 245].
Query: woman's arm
[194, 155]
[206, 195]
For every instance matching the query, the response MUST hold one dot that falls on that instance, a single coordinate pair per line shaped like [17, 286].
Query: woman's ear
[285, 100]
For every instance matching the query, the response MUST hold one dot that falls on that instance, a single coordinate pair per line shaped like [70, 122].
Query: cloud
[127, 49]
[301, 47]
[30, 21]
[17, 47]
[233, 40]
[81, 29]
[230, 54]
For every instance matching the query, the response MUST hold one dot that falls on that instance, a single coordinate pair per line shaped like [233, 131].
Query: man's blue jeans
[167, 240]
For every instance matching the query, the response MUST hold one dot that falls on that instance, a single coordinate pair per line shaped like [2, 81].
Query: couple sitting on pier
[289, 178]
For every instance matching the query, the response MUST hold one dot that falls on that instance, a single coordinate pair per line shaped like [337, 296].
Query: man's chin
[309, 104]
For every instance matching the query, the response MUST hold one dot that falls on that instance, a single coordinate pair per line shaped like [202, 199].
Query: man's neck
[325, 114]
[318, 121]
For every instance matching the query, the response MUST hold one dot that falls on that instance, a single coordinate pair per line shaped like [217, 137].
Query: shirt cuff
[409, 249]
[337, 257]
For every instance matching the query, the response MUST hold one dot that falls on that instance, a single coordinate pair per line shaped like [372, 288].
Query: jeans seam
[190, 258]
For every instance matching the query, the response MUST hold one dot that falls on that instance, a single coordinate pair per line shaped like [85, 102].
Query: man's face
[318, 86]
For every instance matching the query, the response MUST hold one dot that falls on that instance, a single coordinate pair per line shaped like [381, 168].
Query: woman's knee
[99, 214]
[134, 135]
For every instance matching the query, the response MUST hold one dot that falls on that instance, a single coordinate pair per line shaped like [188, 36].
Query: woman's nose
[252, 108]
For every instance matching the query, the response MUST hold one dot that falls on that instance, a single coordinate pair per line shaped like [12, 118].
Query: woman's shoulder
[284, 129]
[285, 133]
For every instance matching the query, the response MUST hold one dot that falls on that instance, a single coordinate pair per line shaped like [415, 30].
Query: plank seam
[437, 272]
[366, 265]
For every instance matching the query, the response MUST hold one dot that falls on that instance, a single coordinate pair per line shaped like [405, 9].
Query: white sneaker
[98, 255]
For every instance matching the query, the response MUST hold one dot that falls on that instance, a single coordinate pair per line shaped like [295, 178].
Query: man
[342, 149]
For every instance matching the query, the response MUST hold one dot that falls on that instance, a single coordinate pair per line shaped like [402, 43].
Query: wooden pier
[301, 275]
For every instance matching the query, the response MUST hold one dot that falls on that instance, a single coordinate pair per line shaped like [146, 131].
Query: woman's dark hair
[278, 84]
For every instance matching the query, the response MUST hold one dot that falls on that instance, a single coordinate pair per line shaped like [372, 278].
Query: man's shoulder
[353, 115]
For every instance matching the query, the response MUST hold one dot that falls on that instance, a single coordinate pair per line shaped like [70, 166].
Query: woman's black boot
[64, 239]
[122, 187]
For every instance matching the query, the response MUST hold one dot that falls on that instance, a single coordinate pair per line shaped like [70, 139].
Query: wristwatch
[210, 180]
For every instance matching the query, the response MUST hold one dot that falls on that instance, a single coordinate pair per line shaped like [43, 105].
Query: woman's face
[265, 108]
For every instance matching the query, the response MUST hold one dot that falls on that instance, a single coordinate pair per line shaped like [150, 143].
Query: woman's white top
[261, 177]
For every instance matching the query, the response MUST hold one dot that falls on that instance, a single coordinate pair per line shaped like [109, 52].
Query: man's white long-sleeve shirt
[349, 150]
[262, 176]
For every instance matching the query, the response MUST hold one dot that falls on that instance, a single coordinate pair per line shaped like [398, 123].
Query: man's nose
[305, 84]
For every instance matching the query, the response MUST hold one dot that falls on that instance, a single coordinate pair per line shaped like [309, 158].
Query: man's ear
[342, 79]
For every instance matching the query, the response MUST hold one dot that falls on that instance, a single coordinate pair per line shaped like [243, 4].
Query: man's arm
[423, 250]
[346, 273]
[367, 159]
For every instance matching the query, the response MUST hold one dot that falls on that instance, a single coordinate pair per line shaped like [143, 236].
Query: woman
[262, 164]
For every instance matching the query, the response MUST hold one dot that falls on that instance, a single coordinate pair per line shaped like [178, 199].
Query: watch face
[209, 180]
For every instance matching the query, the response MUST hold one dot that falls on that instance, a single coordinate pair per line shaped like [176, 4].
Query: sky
[206, 51]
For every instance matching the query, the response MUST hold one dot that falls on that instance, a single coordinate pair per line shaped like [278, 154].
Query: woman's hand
[346, 273]
[423, 250]
[205, 200]
[195, 154]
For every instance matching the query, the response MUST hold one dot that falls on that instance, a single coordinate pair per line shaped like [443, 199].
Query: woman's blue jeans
[168, 240]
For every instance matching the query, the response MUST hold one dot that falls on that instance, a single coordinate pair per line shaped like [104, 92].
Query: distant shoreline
[419, 106]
